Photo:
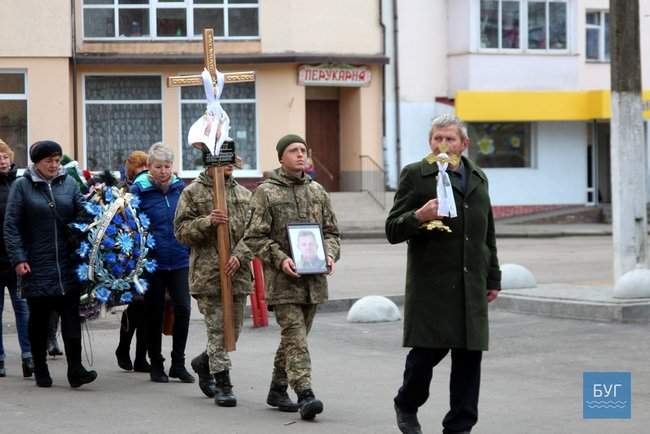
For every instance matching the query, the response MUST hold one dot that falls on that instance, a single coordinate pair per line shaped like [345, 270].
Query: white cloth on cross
[446, 203]
[213, 127]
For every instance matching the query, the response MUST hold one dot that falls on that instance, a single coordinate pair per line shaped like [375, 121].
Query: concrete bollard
[633, 284]
[374, 308]
[515, 276]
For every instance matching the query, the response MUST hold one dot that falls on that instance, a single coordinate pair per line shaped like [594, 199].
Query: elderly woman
[41, 204]
[7, 273]
[159, 190]
[133, 316]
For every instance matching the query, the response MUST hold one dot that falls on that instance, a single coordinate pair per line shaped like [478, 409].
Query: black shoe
[78, 376]
[141, 365]
[278, 397]
[28, 367]
[407, 422]
[177, 370]
[123, 359]
[157, 373]
[42, 376]
[3, 372]
[309, 405]
[53, 348]
[223, 388]
[201, 365]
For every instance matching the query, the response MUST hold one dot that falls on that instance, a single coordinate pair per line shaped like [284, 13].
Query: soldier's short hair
[159, 152]
[448, 120]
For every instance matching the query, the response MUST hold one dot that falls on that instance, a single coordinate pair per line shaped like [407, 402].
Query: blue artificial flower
[80, 226]
[126, 243]
[142, 287]
[111, 230]
[118, 270]
[135, 202]
[125, 228]
[150, 265]
[130, 266]
[83, 250]
[132, 224]
[136, 253]
[144, 220]
[122, 258]
[108, 195]
[118, 220]
[108, 242]
[93, 208]
[136, 240]
[151, 243]
[82, 272]
[102, 294]
[111, 258]
[126, 297]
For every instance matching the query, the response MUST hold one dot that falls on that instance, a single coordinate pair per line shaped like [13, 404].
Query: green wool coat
[447, 274]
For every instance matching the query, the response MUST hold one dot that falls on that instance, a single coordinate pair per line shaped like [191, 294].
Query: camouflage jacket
[192, 227]
[280, 200]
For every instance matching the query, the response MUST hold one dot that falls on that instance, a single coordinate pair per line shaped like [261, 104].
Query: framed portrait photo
[307, 248]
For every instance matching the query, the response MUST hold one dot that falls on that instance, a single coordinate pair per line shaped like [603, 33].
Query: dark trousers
[41, 308]
[464, 385]
[133, 323]
[177, 285]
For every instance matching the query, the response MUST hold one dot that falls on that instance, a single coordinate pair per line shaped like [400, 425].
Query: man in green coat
[291, 196]
[450, 278]
[195, 225]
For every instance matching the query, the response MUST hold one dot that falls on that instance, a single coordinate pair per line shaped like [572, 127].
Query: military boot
[42, 375]
[201, 365]
[278, 397]
[309, 405]
[223, 390]
[78, 376]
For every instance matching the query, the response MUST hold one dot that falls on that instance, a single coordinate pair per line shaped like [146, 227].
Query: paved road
[532, 383]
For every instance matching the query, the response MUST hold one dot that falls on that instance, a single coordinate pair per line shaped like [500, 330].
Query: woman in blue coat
[41, 205]
[159, 190]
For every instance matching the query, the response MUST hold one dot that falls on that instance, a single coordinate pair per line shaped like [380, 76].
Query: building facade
[318, 74]
[530, 77]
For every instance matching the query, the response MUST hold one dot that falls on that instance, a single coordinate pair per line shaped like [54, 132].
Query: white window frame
[19, 97]
[87, 102]
[523, 28]
[189, 7]
[238, 173]
[601, 35]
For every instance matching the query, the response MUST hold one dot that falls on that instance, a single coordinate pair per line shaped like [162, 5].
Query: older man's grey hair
[448, 120]
[159, 152]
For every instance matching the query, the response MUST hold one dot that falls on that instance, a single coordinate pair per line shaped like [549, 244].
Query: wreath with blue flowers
[114, 250]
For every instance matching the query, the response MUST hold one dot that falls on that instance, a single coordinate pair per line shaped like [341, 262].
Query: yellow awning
[474, 106]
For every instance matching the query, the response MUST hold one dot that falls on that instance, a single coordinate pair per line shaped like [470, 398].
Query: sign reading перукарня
[334, 75]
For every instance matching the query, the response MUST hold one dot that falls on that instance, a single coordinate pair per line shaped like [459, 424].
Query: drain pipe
[398, 140]
[75, 135]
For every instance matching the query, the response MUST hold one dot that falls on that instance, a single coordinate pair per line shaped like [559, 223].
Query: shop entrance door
[322, 126]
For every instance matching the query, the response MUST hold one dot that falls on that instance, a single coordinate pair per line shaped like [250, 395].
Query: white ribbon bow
[213, 127]
[446, 203]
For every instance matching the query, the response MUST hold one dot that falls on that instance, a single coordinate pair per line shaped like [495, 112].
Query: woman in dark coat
[7, 273]
[159, 190]
[41, 205]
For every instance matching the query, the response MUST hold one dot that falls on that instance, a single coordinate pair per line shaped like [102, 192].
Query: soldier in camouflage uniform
[291, 196]
[195, 224]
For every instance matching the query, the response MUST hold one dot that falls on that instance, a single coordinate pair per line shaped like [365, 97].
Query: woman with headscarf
[41, 205]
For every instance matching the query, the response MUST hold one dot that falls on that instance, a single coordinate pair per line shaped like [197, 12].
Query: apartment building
[318, 74]
[530, 77]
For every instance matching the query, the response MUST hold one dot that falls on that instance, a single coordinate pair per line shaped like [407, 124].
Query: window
[169, 19]
[597, 28]
[523, 24]
[123, 113]
[500, 144]
[238, 100]
[13, 114]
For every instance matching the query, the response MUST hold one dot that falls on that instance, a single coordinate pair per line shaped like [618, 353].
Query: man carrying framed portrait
[287, 208]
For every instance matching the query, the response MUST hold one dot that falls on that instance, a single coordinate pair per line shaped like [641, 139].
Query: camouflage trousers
[292, 364]
[212, 309]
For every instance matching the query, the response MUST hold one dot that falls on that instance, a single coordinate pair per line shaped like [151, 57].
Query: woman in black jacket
[41, 205]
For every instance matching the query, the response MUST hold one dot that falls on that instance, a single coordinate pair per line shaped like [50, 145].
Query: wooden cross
[219, 189]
